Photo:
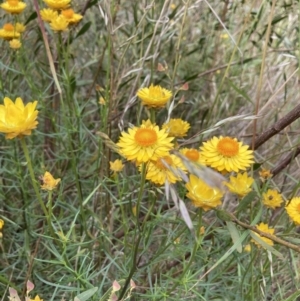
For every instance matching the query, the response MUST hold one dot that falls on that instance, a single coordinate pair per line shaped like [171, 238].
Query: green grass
[239, 58]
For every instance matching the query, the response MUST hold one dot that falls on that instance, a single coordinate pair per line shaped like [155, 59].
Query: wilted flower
[13, 6]
[227, 154]
[265, 174]
[293, 210]
[70, 16]
[17, 120]
[49, 183]
[154, 96]
[272, 198]
[177, 127]
[241, 184]
[202, 195]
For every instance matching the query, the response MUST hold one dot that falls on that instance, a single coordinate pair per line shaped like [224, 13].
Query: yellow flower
[293, 210]
[20, 28]
[193, 155]
[71, 16]
[154, 96]
[247, 248]
[37, 298]
[59, 24]
[241, 184]
[265, 174]
[8, 32]
[15, 44]
[17, 120]
[49, 183]
[1, 223]
[176, 127]
[116, 166]
[13, 6]
[202, 230]
[264, 228]
[48, 14]
[102, 101]
[58, 4]
[227, 154]
[202, 195]
[145, 143]
[272, 198]
[164, 169]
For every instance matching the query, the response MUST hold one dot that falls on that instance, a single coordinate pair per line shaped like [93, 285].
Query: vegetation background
[233, 58]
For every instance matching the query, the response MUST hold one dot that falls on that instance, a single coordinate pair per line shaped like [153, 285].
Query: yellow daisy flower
[15, 44]
[193, 155]
[227, 154]
[202, 195]
[8, 32]
[116, 166]
[58, 4]
[145, 143]
[59, 24]
[165, 169]
[71, 17]
[49, 183]
[154, 96]
[48, 14]
[264, 228]
[176, 127]
[272, 198]
[17, 120]
[240, 185]
[13, 6]
[37, 298]
[293, 210]
[20, 28]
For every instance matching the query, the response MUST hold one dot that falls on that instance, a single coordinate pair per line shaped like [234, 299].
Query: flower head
[264, 228]
[145, 143]
[241, 184]
[8, 32]
[165, 169]
[59, 24]
[116, 166]
[193, 155]
[176, 127]
[13, 6]
[58, 4]
[293, 210]
[17, 120]
[272, 198]
[71, 17]
[20, 28]
[49, 183]
[265, 174]
[202, 195]
[37, 298]
[48, 14]
[227, 154]
[154, 96]
[15, 44]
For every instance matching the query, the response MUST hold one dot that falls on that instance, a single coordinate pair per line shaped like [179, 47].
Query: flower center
[228, 147]
[145, 137]
[163, 163]
[192, 154]
[68, 13]
[13, 2]
[8, 27]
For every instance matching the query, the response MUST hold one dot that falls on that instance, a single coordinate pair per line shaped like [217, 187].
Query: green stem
[34, 182]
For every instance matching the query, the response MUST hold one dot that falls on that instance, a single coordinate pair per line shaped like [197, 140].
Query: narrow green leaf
[83, 29]
[86, 295]
[235, 235]
[246, 201]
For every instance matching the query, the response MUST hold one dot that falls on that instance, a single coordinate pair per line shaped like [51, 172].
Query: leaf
[235, 235]
[246, 201]
[83, 29]
[86, 295]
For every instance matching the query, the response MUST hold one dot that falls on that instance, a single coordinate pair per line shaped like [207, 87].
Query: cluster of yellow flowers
[59, 15]
[12, 32]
